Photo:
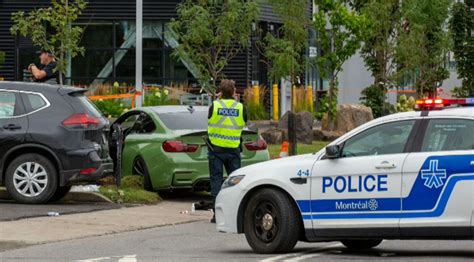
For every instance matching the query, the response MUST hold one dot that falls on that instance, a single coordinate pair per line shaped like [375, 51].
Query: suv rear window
[36, 101]
[88, 106]
[185, 120]
[448, 135]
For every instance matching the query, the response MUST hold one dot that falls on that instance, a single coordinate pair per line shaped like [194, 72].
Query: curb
[71, 197]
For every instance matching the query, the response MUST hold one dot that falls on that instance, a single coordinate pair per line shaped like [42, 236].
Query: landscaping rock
[304, 127]
[273, 136]
[261, 125]
[318, 134]
[348, 117]
[323, 135]
[303, 124]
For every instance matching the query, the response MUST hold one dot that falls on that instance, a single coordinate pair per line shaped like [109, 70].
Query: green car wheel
[140, 169]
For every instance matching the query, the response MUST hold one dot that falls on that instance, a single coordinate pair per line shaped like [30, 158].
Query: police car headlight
[232, 181]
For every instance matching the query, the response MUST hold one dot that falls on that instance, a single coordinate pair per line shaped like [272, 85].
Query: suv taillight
[179, 147]
[81, 120]
[258, 145]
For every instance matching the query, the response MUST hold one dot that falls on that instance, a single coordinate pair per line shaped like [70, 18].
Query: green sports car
[166, 145]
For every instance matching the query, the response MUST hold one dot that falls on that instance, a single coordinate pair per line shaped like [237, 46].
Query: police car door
[362, 187]
[438, 180]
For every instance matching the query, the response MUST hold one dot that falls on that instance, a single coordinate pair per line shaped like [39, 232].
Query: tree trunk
[331, 117]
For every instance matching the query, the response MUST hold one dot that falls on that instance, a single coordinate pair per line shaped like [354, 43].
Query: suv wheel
[361, 244]
[271, 222]
[31, 179]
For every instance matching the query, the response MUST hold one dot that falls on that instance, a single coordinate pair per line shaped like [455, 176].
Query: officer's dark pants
[217, 162]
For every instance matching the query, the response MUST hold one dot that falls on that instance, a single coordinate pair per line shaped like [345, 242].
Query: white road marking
[129, 258]
[132, 258]
[280, 257]
[301, 255]
[301, 258]
[94, 259]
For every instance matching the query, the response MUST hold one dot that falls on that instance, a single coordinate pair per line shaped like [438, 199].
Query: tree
[51, 29]
[461, 25]
[339, 35]
[211, 33]
[423, 43]
[285, 53]
[378, 48]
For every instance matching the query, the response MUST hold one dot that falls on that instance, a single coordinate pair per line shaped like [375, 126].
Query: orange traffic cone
[284, 149]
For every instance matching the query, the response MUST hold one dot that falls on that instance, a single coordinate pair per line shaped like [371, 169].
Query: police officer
[226, 120]
[46, 73]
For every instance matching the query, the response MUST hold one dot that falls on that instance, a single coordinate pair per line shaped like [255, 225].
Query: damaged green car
[166, 145]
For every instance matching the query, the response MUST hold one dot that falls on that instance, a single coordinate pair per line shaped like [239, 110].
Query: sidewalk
[51, 229]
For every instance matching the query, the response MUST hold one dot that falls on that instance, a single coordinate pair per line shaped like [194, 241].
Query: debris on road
[87, 188]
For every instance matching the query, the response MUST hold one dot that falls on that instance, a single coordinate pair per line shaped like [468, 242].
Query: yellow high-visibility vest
[226, 123]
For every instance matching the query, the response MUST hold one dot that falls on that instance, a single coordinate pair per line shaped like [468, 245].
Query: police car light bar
[438, 103]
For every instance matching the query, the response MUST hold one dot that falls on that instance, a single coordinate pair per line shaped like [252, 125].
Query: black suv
[51, 137]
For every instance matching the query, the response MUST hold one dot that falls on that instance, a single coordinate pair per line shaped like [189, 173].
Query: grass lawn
[301, 148]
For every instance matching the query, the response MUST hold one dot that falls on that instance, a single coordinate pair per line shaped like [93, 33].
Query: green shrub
[129, 195]
[111, 108]
[157, 97]
[255, 109]
[256, 112]
[132, 182]
[374, 97]
[405, 104]
[324, 107]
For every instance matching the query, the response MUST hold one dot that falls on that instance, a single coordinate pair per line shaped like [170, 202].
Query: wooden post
[292, 133]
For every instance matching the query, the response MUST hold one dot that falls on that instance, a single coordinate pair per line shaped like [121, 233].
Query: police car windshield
[185, 120]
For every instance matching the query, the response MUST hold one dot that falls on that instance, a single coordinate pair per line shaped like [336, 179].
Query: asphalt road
[200, 242]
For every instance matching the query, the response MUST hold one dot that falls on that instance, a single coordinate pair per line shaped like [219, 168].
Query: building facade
[109, 40]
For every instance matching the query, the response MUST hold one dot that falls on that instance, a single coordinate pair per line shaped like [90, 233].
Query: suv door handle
[472, 163]
[11, 127]
[385, 165]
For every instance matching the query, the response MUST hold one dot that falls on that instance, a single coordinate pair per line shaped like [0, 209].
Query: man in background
[46, 72]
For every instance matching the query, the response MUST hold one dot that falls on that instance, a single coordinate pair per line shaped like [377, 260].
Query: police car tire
[361, 244]
[51, 175]
[286, 216]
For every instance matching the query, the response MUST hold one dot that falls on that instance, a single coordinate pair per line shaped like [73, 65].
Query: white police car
[403, 176]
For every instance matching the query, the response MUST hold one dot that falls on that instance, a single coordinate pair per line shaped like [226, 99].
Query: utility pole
[139, 54]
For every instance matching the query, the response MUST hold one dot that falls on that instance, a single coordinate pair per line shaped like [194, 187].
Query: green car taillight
[179, 147]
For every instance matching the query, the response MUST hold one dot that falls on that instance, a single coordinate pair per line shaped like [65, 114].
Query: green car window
[185, 120]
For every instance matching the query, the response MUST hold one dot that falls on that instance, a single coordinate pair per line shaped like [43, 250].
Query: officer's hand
[237, 96]
[218, 95]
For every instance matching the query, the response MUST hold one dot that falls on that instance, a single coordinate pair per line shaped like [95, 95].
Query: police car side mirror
[333, 151]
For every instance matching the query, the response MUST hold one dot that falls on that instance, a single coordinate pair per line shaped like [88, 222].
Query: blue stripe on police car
[424, 200]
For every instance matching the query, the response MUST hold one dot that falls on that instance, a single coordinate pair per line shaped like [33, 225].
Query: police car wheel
[361, 244]
[271, 222]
